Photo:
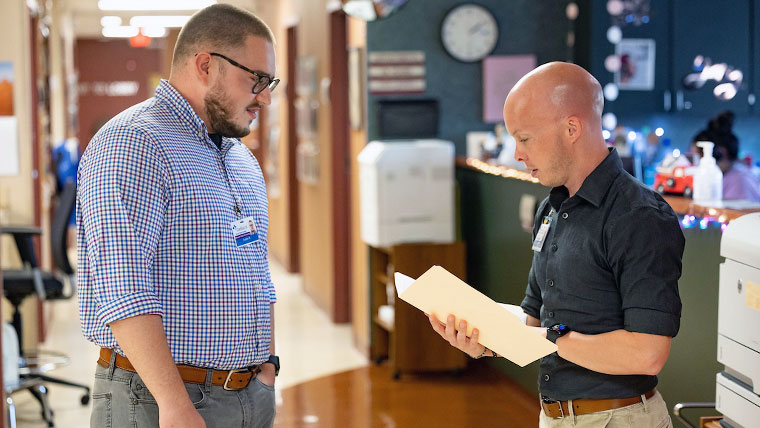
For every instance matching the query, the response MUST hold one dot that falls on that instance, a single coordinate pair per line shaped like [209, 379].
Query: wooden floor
[368, 397]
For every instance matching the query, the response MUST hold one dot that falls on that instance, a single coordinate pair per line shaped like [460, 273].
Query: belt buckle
[549, 402]
[229, 375]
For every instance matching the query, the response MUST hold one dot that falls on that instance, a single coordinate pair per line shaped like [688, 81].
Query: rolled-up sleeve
[645, 249]
[531, 303]
[122, 198]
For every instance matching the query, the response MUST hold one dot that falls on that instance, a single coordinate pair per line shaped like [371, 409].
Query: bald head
[559, 89]
[554, 113]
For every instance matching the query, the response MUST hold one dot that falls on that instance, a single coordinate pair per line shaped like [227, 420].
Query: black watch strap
[275, 361]
[556, 331]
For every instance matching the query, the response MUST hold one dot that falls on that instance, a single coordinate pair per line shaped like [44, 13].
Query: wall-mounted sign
[109, 89]
[396, 72]
[356, 90]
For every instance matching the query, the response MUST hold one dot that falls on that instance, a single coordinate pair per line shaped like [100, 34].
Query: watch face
[469, 32]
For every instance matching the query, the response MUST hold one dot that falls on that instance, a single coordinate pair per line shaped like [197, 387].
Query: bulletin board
[500, 73]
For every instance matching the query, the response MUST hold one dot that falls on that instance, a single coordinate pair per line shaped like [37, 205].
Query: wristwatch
[275, 361]
[556, 331]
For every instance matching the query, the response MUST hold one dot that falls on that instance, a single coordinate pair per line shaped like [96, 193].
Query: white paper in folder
[441, 293]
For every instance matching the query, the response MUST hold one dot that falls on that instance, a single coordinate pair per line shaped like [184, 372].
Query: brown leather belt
[558, 409]
[231, 380]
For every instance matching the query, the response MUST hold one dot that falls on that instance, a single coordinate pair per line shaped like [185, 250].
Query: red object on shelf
[675, 175]
[678, 182]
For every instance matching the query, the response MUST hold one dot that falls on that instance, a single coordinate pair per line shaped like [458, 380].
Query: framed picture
[636, 72]
[306, 75]
[9, 164]
[306, 117]
[307, 162]
[500, 73]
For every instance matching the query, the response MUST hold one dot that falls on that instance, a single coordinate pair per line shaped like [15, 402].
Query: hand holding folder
[440, 293]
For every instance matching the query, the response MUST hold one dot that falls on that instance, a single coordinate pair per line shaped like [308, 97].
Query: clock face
[469, 32]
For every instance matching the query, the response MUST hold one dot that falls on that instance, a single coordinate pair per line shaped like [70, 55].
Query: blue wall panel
[525, 27]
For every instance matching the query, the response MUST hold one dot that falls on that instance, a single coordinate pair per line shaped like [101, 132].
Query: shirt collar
[169, 94]
[596, 185]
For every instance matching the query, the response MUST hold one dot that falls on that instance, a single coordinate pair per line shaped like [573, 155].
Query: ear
[574, 128]
[201, 67]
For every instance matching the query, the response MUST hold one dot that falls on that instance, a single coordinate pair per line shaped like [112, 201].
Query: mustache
[254, 105]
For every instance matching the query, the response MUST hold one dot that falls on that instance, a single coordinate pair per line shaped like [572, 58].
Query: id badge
[244, 231]
[543, 230]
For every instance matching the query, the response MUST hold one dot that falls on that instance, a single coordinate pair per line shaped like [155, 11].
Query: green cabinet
[656, 100]
[714, 30]
[688, 34]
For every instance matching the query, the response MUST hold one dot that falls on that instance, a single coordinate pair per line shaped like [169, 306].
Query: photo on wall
[8, 122]
[6, 88]
[637, 58]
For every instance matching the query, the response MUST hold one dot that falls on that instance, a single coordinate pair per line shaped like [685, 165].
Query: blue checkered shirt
[154, 214]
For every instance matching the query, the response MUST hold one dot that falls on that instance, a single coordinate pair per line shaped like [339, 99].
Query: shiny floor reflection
[368, 397]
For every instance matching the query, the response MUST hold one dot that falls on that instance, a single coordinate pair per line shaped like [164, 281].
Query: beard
[219, 116]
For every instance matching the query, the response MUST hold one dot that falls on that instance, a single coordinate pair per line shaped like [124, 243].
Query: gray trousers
[121, 400]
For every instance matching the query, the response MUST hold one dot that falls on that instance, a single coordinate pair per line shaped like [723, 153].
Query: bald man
[607, 258]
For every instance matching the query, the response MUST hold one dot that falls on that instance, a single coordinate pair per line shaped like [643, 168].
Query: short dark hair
[719, 131]
[219, 26]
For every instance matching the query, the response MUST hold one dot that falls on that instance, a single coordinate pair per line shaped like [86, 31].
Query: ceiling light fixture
[159, 21]
[154, 31]
[110, 21]
[154, 4]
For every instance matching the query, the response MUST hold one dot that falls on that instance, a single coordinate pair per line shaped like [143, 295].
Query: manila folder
[441, 293]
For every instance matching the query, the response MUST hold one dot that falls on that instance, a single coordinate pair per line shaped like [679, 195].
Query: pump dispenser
[708, 179]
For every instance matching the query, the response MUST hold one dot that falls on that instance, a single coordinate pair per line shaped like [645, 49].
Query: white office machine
[737, 392]
[406, 192]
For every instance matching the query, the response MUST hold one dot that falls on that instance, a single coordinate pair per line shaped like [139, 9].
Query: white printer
[406, 192]
[737, 392]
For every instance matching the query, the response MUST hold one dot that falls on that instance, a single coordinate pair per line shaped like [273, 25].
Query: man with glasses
[174, 285]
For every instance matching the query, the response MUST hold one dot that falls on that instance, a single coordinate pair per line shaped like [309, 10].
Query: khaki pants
[652, 413]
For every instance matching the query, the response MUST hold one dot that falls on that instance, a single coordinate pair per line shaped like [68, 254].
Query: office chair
[20, 284]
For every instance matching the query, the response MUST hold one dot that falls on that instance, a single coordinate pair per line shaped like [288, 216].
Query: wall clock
[469, 32]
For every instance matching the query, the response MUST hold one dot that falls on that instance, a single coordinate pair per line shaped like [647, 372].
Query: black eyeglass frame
[271, 81]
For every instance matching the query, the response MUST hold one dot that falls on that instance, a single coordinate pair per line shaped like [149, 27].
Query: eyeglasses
[262, 80]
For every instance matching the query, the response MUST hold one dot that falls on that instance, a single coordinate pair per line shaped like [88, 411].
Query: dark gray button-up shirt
[611, 260]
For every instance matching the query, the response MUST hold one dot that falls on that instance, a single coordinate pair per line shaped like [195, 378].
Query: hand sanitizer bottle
[708, 179]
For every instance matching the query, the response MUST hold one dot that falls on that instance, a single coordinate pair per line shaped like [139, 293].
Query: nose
[264, 97]
[519, 155]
